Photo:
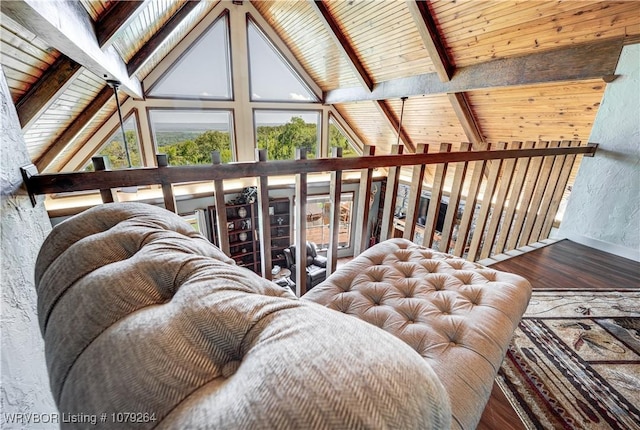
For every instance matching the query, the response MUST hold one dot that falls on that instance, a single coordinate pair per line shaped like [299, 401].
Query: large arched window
[232, 85]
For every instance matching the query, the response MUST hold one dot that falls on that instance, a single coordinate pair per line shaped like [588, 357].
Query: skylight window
[272, 79]
[204, 71]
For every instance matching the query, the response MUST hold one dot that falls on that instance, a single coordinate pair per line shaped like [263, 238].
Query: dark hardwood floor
[567, 264]
[562, 265]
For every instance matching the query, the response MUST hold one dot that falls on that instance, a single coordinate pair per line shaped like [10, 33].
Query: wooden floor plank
[569, 265]
[499, 414]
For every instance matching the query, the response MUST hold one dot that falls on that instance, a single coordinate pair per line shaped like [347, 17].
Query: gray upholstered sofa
[148, 325]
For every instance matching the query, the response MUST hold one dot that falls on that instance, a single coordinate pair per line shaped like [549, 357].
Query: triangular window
[271, 76]
[115, 151]
[204, 71]
[338, 138]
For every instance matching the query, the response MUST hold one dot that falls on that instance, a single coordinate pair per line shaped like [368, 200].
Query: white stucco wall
[604, 207]
[23, 376]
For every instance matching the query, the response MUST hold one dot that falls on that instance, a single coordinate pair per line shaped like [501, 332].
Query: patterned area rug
[574, 361]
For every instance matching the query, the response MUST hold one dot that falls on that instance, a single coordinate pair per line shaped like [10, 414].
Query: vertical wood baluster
[536, 199]
[521, 213]
[221, 209]
[101, 163]
[549, 192]
[559, 193]
[335, 193]
[388, 211]
[264, 223]
[414, 195]
[485, 208]
[470, 206]
[300, 240]
[506, 178]
[454, 200]
[362, 212]
[167, 188]
[522, 166]
[436, 196]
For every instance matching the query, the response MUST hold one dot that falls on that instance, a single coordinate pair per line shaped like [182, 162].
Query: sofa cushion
[142, 314]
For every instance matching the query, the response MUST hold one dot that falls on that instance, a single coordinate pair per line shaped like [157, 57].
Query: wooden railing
[510, 195]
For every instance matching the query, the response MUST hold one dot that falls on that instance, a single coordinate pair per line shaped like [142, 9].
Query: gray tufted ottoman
[459, 316]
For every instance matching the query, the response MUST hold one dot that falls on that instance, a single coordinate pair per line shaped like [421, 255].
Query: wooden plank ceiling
[25, 57]
[364, 55]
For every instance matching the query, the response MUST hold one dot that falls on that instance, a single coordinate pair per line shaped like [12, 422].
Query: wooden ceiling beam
[46, 90]
[579, 62]
[632, 39]
[147, 50]
[72, 130]
[470, 126]
[394, 123]
[431, 38]
[467, 120]
[67, 26]
[343, 43]
[119, 15]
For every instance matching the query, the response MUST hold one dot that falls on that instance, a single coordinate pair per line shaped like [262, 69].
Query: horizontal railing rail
[50, 183]
[522, 187]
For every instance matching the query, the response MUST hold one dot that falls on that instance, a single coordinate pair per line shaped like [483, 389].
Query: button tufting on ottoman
[458, 315]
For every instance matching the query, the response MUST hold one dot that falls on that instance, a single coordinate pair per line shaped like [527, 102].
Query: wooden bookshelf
[280, 224]
[244, 245]
[244, 237]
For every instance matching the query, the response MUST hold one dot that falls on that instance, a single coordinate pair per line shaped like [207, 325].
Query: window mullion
[147, 145]
[243, 115]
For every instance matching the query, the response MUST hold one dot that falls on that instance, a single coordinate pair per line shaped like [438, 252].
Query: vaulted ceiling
[472, 71]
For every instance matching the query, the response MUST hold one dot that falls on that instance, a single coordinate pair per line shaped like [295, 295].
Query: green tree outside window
[281, 141]
[336, 138]
[198, 150]
[114, 150]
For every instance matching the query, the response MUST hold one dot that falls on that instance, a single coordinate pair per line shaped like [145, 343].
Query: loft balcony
[496, 200]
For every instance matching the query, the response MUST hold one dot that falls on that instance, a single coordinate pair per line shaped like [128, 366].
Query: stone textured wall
[604, 207]
[23, 376]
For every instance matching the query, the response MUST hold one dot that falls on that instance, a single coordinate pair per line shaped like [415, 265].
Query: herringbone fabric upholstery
[141, 314]
[458, 315]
